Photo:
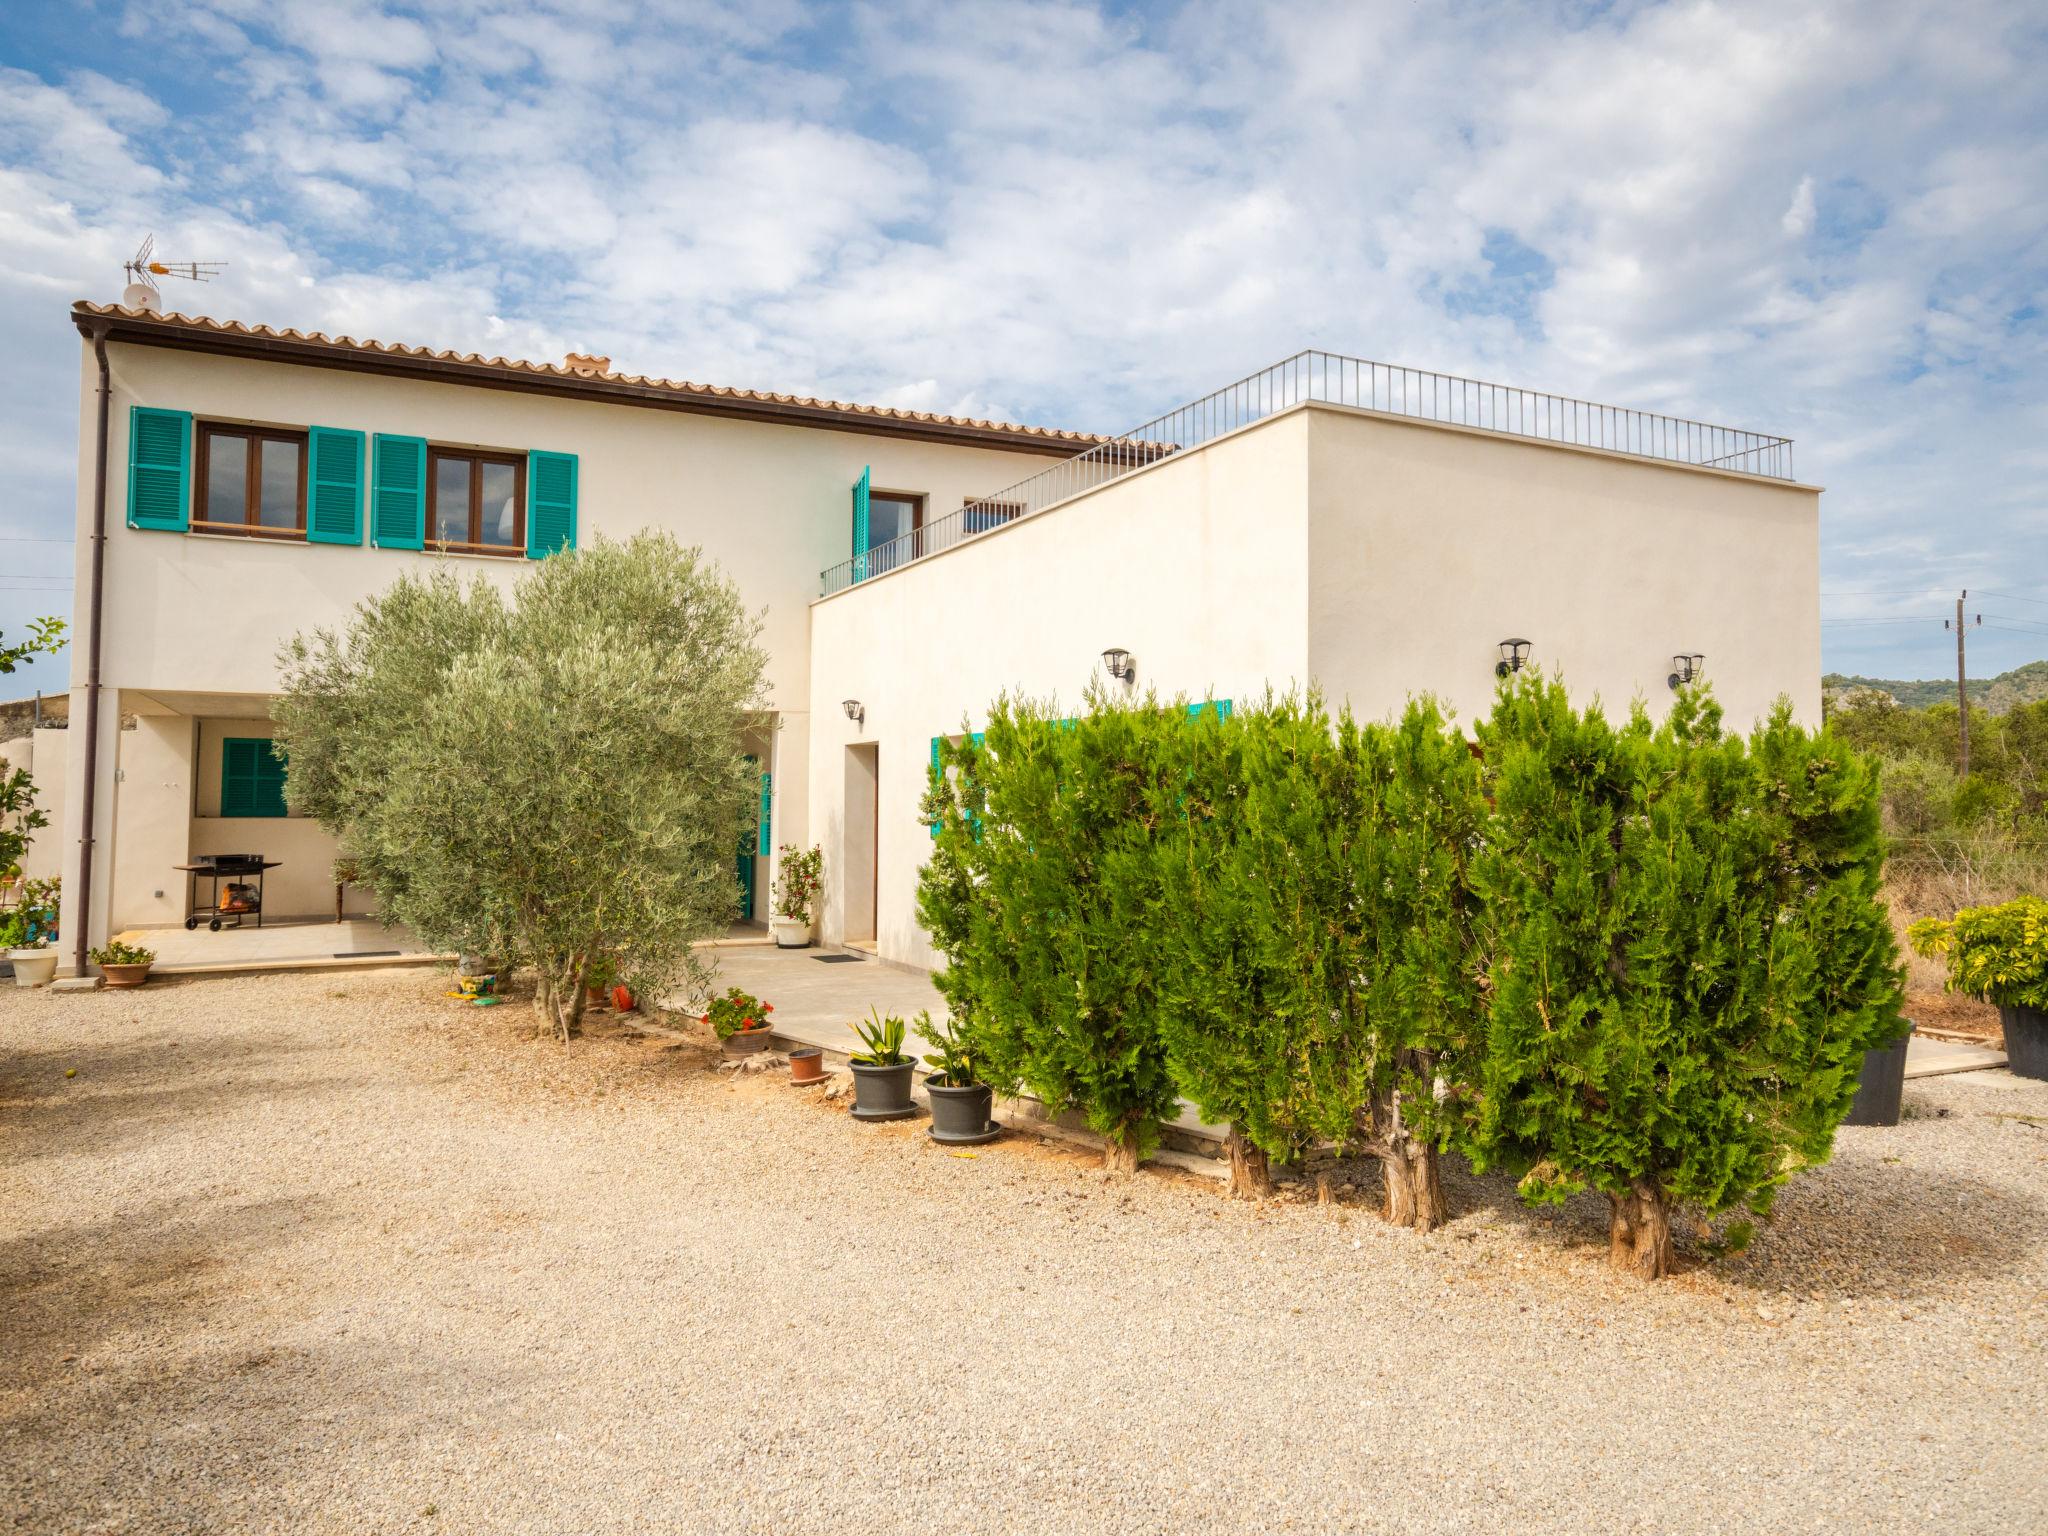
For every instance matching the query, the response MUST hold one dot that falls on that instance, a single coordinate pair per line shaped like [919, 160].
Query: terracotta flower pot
[126, 975]
[807, 1065]
[622, 998]
[747, 1042]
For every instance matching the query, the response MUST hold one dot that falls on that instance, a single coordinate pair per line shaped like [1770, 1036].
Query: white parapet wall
[1370, 556]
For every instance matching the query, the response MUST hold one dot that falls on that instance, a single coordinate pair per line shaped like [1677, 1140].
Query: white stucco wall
[1373, 557]
[1195, 566]
[41, 754]
[1429, 545]
[197, 613]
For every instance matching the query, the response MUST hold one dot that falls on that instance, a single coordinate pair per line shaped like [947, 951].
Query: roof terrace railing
[1327, 377]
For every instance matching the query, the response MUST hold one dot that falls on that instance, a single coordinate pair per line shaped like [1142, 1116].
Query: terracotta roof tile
[173, 322]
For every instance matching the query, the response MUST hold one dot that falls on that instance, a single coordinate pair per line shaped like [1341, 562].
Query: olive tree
[555, 780]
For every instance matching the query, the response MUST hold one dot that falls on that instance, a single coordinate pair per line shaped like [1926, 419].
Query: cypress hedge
[1639, 959]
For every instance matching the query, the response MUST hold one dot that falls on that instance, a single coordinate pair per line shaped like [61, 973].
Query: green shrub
[1042, 894]
[116, 952]
[736, 1013]
[1999, 954]
[1685, 952]
[1316, 940]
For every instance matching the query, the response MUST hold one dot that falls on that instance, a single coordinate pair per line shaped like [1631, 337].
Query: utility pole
[1962, 686]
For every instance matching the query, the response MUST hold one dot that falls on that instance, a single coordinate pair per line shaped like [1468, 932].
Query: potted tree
[124, 965]
[798, 883]
[740, 1020]
[1999, 954]
[881, 1070]
[960, 1104]
[26, 929]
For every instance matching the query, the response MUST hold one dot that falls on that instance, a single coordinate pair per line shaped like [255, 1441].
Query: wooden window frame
[917, 500]
[252, 479]
[476, 458]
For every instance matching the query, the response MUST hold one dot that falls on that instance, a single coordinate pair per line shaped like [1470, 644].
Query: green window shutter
[1220, 708]
[159, 468]
[550, 503]
[251, 777]
[334, 486]
[398, 491]
[767, 805]
[935, 774]
[860, 525]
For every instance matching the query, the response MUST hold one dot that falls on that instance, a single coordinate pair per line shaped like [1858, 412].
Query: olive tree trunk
[1251, 1171]
[1639, 1231]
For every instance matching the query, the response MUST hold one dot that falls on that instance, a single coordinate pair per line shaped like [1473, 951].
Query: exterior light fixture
[1514, 655]
[855, 711]
[1120, 664]
[1686, 667]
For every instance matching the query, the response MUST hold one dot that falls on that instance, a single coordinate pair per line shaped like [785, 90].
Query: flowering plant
[736, 1013]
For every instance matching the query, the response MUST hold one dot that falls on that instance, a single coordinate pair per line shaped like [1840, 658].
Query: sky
[1827, 221]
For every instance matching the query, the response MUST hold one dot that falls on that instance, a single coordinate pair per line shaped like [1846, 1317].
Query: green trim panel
[334, 485]
[251, 777]
[398, 512]
[550, 503]
[159, 469]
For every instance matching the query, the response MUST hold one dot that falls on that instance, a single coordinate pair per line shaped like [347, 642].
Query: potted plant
[1999, 954]
[798, 883]
[960, 1104]
[881, 1070]
[26, 930]
[123, 964]
[740, 1020]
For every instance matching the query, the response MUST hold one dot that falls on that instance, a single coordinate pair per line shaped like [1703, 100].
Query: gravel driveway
[330, 1253]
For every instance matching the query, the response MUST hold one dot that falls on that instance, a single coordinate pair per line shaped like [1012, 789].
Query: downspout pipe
[87, 810]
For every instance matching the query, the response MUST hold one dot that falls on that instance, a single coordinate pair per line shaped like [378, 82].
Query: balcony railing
[1324, 376]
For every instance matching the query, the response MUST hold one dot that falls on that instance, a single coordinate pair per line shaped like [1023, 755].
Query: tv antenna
[143, 269]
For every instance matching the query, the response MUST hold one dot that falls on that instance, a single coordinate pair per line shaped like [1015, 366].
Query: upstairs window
[476, 502]
[892, 515]
[252, 480]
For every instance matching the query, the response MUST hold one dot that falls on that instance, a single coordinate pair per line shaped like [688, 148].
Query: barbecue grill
[240, 900]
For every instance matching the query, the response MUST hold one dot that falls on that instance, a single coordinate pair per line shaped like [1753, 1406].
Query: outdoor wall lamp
[1686, 666]
[1120, 664]
[1514, 655]
[855, 711]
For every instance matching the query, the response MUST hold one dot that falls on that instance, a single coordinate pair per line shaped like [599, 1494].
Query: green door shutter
[159, 468]
[767, 805]
[550, 503]
[334, 486]
[935, 776]
[398, 479]
[860, 525]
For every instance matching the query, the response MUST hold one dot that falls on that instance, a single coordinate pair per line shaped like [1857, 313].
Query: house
[1372, 530]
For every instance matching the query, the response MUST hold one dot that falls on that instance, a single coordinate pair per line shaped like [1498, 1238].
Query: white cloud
[1828, 220]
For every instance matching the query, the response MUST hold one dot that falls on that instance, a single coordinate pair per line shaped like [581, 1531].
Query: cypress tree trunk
[1120, 1150]
[1251, 1171]
[1639, 1231]
[1415, 1193]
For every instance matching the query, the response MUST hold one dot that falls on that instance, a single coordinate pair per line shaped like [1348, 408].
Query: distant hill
[1993, 695]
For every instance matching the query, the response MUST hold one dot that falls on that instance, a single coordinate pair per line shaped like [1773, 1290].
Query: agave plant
[882, 1038]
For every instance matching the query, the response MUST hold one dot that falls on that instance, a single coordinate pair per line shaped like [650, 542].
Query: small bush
[1999, 954]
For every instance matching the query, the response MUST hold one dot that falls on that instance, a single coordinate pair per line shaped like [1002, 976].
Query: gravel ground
[329, 1253]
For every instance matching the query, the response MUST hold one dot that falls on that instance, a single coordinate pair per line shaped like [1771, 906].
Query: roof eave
[165, 332]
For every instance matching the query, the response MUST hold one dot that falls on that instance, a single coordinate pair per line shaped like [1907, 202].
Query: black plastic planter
[960, 1116]
[2026, 1041]
[882, 1093]
[1882, 1085]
